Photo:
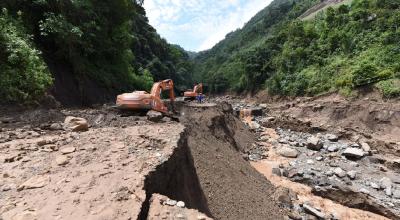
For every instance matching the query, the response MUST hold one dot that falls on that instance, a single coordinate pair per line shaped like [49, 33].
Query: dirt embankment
[233, 189]
[368, 118]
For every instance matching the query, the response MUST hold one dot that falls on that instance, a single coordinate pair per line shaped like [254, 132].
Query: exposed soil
[234, 190]
[126, 167]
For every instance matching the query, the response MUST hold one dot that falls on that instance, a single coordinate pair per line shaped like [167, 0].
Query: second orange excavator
[197, 90]
[142, 100]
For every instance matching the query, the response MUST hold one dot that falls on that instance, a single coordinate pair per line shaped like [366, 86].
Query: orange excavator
[141, 100]
[198, 89]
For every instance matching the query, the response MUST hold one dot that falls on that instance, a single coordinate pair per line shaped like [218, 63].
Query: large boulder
[353, 153]
[313, 211]
[154, 116]
[366, 147]
[76, 124]
[332, 137]
[288, 152]
[35, 182]
[314, 143]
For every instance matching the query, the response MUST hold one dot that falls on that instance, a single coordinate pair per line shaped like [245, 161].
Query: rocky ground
[320, 158]
[347, 151]
[103, 164]
[70, 171]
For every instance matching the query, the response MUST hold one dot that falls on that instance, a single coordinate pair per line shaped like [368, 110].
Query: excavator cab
[142, 100]
[192, 94]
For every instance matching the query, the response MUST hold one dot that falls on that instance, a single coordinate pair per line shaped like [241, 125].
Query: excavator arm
[198, 88]
[165, 85]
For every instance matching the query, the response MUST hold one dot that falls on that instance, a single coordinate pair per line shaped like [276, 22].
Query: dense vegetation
[341, 49]
[93, 50]
[24, 75]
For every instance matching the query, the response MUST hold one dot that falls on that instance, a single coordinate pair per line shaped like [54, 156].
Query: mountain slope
[92, 49]
[343, 48]
[222, 66]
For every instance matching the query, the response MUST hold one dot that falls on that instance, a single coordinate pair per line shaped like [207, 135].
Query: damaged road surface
[131, 168]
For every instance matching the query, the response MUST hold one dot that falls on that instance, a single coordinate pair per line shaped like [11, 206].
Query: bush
[24, 76]
[389, 88]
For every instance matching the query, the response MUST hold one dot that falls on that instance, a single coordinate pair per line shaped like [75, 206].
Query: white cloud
[200, 24]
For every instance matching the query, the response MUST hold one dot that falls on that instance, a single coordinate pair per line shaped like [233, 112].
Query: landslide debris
[341, 152]
[233, 189]
[128, 167]
[97, 174]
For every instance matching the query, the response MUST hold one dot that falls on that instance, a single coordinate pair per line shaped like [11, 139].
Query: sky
[197, 25]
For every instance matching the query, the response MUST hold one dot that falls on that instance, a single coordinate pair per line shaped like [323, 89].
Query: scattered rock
[254, 125]
[339, 172]
[154, 116]
[62, 160]
[333, 148]
[263, 105]
[352, 174]
[56, 127]
[255, 111]
[353, 153]
[180, 204]
[288, 152]
[314, 143]
[170, 202]
[332, 137]
[76, 124]
[396, 194]
[180, 216]
[383, 168]
[68, 150]
[374, 185]
[295, 215]
[276, 171]
[6, 187]
[166, 119]
[329, 173]
[45, 141]
[313, 211]
[386, 184]
[365, 147]
[363, 190]
[11, 158]
[35, 182]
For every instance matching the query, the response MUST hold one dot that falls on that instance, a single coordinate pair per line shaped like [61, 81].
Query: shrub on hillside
[24, 76]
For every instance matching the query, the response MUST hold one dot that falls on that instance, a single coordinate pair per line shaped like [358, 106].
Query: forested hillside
[342, 48]
[82, 51]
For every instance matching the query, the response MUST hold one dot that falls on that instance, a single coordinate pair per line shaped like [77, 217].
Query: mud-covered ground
[48, 172]
[130, 166]
[309, 158]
